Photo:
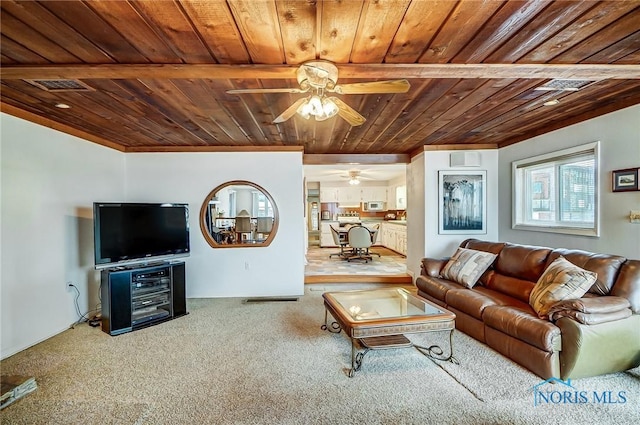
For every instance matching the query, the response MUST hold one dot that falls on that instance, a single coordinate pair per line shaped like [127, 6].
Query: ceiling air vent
[564, 85]
[60, 85]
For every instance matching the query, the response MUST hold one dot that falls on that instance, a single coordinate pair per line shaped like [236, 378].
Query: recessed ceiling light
[62, 106]
[551, 102]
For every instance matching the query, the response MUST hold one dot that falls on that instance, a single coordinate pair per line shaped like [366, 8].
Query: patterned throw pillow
[467, 265]
[562, 280]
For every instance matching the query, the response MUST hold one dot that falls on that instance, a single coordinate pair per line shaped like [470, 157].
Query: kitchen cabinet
[326, 238]
[328, 194]
[374, 193]
[353, 195]
[394, 237]
[391, 198]
[349, 196]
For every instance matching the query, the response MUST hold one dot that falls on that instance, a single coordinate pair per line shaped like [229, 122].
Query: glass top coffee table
[378, 319]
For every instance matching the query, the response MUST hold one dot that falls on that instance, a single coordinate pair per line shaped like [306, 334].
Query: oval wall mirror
[238, 214]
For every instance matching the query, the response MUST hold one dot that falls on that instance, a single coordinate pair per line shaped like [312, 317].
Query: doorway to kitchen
[371, 195]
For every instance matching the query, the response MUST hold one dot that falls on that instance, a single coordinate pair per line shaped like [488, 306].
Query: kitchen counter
[401, 222]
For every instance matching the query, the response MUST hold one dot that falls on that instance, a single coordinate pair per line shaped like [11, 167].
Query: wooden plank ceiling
[158, 71]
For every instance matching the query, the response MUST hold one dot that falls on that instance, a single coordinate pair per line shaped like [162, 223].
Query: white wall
[415, 182]
[437, 245]
[49, 183]
[422, 194]
[619, 136]
[277, 270]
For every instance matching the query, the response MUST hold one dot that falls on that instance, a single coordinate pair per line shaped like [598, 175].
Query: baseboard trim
[268, 299]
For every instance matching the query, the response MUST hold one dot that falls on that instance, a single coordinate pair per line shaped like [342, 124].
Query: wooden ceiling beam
[339, 158]
[215, 71]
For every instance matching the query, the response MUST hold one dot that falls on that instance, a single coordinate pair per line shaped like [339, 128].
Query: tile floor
[319, 263]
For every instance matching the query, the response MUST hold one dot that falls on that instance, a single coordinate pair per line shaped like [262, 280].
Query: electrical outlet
[246, 265]
[68, 285]
[634, 217]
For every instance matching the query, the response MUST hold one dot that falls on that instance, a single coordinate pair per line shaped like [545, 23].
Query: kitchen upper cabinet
[391, 198]
[374, 193]
[349, 195]
[328, 194]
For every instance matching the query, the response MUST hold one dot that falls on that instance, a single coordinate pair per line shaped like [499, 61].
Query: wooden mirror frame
[205, 208]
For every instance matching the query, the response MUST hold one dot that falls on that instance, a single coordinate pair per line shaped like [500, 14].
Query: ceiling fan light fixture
[329, 107]
[321, 108]
[354, 177]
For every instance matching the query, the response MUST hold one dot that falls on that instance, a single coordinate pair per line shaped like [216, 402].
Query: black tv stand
[135, 297]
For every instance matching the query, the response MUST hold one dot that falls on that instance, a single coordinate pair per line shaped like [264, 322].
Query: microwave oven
[374, 206]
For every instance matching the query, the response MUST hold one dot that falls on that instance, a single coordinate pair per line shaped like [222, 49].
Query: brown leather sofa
[595, 335]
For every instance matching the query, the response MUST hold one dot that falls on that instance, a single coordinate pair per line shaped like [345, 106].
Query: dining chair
[342, 243]
[374, 237]
[359, 238]
[264, 226]
[243, 227]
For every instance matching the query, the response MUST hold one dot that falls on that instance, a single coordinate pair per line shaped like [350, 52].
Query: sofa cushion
[605, 266]
[590, 318]
[478, 245]
[435, 287]
[593, 305]
[474, 301]
[562, 280]
[522, 261]
[523, 324]
[517, 288]
[467, 265]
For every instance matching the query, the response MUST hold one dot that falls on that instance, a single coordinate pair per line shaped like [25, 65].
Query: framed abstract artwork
[462, 201]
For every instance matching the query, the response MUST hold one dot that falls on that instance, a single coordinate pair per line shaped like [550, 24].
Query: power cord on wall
[94, 321]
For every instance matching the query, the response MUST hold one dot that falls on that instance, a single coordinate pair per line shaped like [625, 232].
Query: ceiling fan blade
[282, 90]
[347, 113]
[390, 86]
[290, 111]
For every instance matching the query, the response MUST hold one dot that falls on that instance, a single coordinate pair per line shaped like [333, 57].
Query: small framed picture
[625, 180]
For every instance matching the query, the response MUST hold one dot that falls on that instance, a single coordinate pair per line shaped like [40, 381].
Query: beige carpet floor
[228, 362]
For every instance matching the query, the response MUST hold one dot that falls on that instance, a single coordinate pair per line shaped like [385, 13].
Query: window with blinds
[557, 192]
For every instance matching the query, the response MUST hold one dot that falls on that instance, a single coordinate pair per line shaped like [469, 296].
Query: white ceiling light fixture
[317, 106]
[354, 177]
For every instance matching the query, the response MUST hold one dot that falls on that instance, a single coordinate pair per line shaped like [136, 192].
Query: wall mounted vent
[60, 85]
[564, 85]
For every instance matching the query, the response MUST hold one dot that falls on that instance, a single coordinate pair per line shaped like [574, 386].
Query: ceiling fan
[354, 177]
[319, 77]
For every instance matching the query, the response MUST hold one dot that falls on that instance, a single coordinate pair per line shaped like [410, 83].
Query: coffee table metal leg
[436, 352]
[334, 327]
[356, 358]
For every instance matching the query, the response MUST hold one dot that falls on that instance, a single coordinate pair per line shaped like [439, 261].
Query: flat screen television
[136, 233]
